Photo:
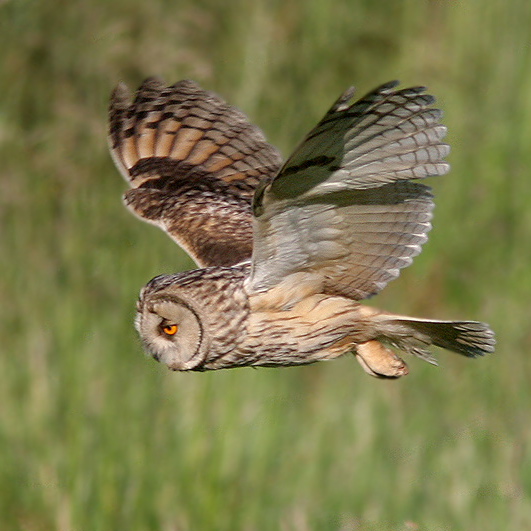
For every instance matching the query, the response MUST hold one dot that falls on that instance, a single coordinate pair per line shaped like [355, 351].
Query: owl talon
[379, 361]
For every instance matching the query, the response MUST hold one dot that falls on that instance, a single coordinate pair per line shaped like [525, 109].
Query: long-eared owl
[286, 249]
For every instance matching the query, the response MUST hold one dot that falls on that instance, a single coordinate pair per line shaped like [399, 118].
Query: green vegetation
[96, 437]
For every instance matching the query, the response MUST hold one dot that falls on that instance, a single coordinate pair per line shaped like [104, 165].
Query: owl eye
[170, 329]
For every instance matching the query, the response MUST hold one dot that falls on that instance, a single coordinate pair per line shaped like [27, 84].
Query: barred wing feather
[343, 206]
[193, 163]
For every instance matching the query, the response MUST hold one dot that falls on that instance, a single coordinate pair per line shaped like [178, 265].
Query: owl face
[171, 331]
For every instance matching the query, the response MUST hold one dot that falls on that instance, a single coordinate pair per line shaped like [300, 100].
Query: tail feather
[469, 338]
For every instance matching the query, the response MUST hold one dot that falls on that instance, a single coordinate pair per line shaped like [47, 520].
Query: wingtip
[389, 85]
[120, 96]
[343, 101]
[152, 83]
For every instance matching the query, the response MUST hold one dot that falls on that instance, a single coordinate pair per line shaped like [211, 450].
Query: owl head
[170, 325]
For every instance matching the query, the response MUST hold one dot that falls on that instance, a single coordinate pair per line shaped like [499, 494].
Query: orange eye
[170, 330]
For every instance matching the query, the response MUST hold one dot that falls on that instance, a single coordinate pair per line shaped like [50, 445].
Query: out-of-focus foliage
[94, 436]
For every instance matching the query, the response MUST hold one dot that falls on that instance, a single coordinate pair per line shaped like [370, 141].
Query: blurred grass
[94, 436]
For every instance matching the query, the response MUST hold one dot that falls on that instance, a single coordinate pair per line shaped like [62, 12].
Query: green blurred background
[95, 436]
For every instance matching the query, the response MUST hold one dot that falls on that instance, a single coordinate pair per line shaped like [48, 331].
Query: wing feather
[193, 163]
[343, 206]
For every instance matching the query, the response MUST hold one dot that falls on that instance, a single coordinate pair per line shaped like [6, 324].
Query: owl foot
[379, 361]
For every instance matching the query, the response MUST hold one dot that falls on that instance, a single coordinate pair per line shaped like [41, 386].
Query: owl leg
[380, 361]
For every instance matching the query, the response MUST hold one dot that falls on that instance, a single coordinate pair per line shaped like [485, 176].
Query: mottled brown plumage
[287, 251]
[193, 163]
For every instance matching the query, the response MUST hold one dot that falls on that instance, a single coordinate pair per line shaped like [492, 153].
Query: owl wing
[343, 206]
[193, 163]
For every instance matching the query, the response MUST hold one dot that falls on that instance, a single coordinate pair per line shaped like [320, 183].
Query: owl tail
[469, 338]
[413, 336]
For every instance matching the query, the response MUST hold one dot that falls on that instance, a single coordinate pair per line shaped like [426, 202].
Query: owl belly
[317, 328]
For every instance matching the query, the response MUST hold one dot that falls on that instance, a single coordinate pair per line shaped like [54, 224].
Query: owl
[286, 249]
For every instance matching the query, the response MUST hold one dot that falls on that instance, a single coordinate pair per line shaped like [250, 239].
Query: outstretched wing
[193, 163]
[343, 206]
